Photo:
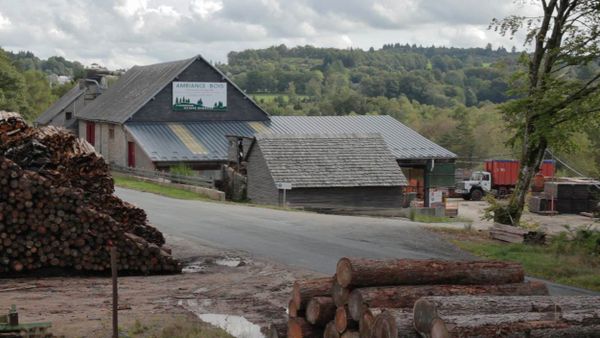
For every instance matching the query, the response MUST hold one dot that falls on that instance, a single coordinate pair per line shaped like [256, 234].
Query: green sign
[195, 96]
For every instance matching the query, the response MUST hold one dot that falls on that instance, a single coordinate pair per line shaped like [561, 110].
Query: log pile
[370, 298]
[57, 208]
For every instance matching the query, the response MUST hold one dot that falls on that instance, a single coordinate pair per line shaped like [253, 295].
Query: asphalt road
[301, 239]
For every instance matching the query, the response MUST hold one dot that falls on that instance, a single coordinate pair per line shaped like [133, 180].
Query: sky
[123, 33]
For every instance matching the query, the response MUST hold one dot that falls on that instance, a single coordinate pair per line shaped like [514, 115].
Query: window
[68, 115]
[111, 133]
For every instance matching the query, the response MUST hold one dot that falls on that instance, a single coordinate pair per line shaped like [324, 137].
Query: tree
[551, 106]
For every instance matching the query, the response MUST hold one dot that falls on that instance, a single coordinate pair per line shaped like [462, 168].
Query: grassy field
[132, 183]
[562, 261]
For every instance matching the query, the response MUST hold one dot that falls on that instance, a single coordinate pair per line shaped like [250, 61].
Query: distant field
[268, 98]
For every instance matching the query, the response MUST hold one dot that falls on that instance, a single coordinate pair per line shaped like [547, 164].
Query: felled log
[330, 331]
[393, 323]
[367, 319]
[339, 294]
[320, 311]
[277, 330]
[303, 291]
[300, 328]
[343, 322]
[405, 296]
[530, 324]
[512, 234]
[372, 272]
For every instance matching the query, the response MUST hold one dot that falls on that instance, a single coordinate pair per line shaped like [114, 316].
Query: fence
[165, 176]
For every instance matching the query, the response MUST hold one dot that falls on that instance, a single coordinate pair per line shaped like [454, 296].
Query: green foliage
[499, 211]
[182, 169]
[135, 184]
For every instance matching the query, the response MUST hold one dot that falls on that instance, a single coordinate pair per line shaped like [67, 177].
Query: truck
[499, 178]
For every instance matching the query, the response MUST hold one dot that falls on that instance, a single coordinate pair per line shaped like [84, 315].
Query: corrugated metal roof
[162, 144]
[330, 160]
[59, 105]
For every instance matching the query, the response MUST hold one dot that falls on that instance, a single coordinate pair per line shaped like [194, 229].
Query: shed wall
[350, 197]
[261, 187]
[239, 107]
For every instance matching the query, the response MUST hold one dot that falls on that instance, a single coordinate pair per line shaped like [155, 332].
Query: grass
[565, 261]
[135, 184]
[173, 327]
[438, 219]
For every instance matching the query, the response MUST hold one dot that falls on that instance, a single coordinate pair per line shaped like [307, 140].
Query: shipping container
[506, 172]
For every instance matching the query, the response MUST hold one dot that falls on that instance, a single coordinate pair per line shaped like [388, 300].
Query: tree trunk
[320, 311]
[531, 160]
[372, 272]
[303, 291]
[343, 321]
[394, 323]
[300, 328]
[515, 324]
[406, 296]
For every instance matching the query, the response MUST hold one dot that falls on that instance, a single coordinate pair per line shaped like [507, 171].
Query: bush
[500, 212]
[181, 169]
[585, 241]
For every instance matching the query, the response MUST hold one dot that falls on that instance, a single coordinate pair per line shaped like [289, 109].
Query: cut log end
[331, 331]
[344, 272]
[424, 314]
[438, 329]
[355, 305]
[320, 310]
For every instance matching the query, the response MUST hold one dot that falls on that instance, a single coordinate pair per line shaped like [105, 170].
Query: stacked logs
[57, 209]
[375, 298]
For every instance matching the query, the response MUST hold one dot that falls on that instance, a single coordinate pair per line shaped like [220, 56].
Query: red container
[548, 168]
[504, 172]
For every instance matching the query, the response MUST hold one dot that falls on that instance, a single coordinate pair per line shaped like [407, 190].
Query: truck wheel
[476, 195]
[466, 197]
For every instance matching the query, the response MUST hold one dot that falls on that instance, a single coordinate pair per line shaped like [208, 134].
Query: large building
[189, 112]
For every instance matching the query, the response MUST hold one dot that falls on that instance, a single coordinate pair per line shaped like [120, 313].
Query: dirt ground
[216, 282]
[550, 224]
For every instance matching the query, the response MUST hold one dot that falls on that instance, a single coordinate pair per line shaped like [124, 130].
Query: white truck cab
[476, 186]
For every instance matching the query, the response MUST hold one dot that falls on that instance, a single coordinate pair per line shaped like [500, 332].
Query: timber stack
[393, 298]
[57, 208]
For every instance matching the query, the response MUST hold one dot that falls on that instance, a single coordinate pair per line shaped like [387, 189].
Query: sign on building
[194, 96]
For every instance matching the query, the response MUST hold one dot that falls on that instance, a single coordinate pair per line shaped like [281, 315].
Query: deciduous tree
[551, 106]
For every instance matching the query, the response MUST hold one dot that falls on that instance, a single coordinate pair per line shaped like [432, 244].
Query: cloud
[121, 33]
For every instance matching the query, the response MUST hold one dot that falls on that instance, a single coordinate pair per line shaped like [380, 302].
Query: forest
[450, 95]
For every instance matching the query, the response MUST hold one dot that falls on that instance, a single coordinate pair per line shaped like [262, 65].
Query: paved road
[307, 240]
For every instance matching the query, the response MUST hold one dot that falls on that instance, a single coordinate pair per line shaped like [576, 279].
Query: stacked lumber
[514, 316]
[57, 208]
[513, 234]
[375, 298]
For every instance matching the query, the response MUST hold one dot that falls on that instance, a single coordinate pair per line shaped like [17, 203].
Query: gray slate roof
[161, 142]
[133, 90]
[60, 105]
[138, 86]
[330, 160]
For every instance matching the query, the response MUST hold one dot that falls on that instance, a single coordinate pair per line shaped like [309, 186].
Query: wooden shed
[325, 172]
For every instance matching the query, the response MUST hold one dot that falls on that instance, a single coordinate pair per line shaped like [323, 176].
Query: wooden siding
[352, 197]
[261, 187]
[239, 107]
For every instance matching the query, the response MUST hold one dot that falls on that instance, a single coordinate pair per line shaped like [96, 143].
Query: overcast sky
[121, 33]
